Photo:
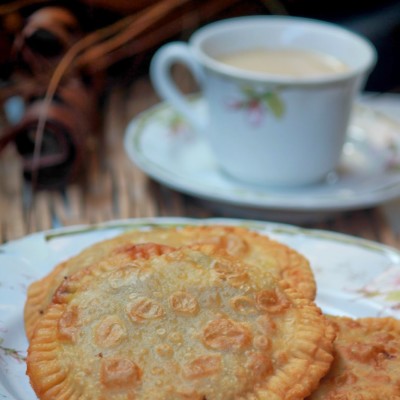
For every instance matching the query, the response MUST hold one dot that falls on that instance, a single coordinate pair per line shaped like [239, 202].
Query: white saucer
[164, 146]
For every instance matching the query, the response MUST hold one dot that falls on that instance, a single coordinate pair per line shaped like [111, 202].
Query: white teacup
[266, 127]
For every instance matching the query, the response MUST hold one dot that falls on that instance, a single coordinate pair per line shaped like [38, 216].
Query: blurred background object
[377, 20]
[61, 58]
[46, 36]
[69, 134]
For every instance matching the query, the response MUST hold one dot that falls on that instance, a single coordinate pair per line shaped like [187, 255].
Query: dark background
[379, 21]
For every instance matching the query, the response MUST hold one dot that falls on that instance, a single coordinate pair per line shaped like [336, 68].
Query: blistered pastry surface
[367, 361]
[183, 325]
[278, 259]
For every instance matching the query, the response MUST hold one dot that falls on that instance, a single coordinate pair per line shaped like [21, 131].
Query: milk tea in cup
[285, 62]
[278, 91]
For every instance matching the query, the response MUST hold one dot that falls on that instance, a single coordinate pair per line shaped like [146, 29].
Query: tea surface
[288, 62]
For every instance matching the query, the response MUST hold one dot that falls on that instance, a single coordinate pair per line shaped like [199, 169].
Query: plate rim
[274, 227]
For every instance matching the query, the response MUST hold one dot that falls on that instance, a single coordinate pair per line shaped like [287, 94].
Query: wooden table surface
[117, 189]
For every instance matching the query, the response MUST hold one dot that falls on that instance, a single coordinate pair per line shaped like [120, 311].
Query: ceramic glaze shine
[285, 62]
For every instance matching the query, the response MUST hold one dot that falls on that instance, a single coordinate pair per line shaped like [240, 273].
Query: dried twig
[137, 23]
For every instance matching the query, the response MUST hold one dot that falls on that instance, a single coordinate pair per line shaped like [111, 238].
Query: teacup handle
[160, 75]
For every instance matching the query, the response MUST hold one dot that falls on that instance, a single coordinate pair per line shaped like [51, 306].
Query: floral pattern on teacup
[257, 103]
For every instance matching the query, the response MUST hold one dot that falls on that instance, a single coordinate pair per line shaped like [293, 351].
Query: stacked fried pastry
[199, 312]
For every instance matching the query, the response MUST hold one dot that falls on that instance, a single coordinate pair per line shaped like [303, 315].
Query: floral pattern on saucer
[386, 144]
[394, 155]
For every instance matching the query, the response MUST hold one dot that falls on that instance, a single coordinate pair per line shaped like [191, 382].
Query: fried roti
[367, 361]
[183, 325]
[280, 260]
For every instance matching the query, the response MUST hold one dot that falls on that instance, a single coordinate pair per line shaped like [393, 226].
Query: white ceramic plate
[355, 277]
[161, 143]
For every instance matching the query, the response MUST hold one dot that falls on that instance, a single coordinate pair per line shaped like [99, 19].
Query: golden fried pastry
[182, 325]
[41, 292]
[367, 361]
[254, 248]
[282, 261]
